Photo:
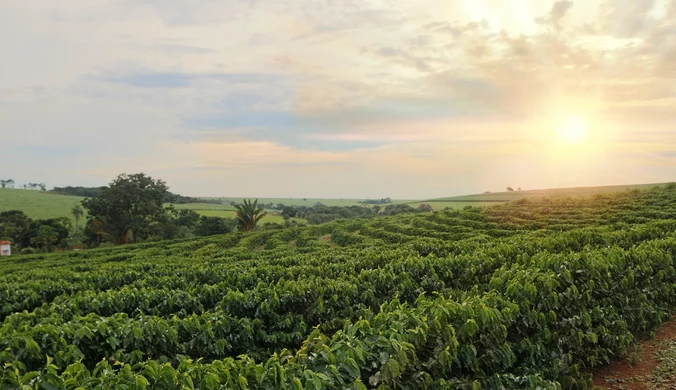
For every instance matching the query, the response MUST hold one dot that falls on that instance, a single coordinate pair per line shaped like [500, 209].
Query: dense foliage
[29, 234]
[85, 192]
[525, 295]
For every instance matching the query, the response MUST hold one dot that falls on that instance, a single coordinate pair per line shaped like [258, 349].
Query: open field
[227, 211]
[231, 214]
[516, 296]
[37, 204]
[309, 201]
[495, 198]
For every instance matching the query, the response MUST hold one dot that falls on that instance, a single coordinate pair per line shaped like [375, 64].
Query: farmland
[37, 204]
[529, 294]
[308, 201]
[43, 205]
[227, 211]
[496, 198]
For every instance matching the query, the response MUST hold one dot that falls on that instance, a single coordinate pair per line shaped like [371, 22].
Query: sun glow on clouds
[455, 96]
[573, 130]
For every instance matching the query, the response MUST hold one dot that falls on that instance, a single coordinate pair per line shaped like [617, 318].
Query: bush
[28, 251]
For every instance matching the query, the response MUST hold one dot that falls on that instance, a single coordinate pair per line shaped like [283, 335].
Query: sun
[573, 130]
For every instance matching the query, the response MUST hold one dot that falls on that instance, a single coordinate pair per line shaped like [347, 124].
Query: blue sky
[370, 98]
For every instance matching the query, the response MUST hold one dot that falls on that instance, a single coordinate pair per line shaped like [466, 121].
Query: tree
[15, 224]
[208, 226]
[60, 227]
[424, 208]
[75, 237]
[129, 206]
[248, 214]
[43, 186]
[10, 183]
[187, 218]
[510, 189]
[46, 236]
[3, 183]
[77, 213]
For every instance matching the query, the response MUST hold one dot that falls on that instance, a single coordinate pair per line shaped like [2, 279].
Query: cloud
[324, 98]
[555, 16]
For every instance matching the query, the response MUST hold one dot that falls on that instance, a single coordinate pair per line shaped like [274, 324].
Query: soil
[651, 367]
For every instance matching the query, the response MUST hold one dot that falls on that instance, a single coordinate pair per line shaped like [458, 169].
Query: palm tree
[248, 214]
[77, 213]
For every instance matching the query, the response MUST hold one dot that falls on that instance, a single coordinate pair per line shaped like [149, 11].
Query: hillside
[514, 296]
[41, 205]
[494, 198]
[38, 204]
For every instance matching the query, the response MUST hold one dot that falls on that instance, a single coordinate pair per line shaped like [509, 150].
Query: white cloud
[349, 98]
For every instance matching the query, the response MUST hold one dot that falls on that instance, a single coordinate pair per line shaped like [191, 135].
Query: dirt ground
[651, 367]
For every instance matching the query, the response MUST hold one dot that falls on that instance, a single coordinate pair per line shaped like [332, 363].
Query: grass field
[310, 201]
[43, 205]
[496, 198]
[231, 214]
[37, 204]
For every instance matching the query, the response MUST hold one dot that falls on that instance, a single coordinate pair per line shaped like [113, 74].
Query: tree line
[9, 183]
[136, 208]
[91, 192]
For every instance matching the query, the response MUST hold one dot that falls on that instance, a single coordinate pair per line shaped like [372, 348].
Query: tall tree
[130, 205]
[77, 213]
[248, 215]
[3, 183]
[10, 183]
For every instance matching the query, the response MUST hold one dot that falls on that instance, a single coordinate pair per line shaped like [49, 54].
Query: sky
[406, 99]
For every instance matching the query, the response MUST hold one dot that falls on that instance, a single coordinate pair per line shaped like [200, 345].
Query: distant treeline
[377, 201]
[86, 192]
[320, 213]
[90, 192]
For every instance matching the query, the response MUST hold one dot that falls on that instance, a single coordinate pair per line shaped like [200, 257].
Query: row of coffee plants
[523, 295]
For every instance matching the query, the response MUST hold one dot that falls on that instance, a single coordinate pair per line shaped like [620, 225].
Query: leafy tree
[129, 206]
[46, 236]
[60, 226]
[187, 218]
[288, 211]
[77, 212]
[510, 189]
[209, 226]
[248, 214]
[76, 237]
[43, 186]
[395, 209]
[9, 183]
[15, 224]
[423, 208]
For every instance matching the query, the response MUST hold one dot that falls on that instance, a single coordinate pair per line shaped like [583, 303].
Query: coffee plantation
[526, 295]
